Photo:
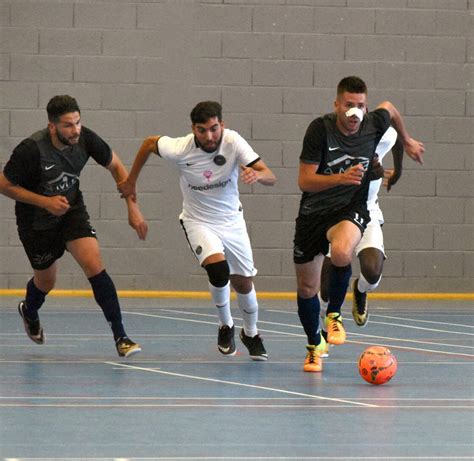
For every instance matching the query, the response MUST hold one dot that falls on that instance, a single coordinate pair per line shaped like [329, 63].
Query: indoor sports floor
[74, 398]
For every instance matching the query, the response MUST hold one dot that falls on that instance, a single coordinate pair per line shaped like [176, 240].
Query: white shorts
[233, 241]
[372, 238]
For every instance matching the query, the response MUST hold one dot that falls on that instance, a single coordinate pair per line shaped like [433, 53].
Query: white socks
[248, 306]
[221, 298]
[364, 287]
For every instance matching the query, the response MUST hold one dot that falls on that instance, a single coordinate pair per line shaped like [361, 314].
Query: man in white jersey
[210, 161]
[370, 249]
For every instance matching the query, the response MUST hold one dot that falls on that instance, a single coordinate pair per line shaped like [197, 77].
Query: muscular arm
[257, 172]
[135, 217]
[309, 181]
[56, 204]
[149, 146]
[413, 148]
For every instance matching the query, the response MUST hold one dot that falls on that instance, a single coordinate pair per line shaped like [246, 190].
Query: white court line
[400, 325]
[422, 321]
[350, 332]
[397, 346]
[235, 383]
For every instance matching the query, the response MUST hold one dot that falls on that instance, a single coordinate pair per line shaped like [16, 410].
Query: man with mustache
[42, 176]
[209, 160]
[334, 175]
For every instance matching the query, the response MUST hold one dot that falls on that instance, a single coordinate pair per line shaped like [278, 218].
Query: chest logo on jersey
[208, 175]
[341, 164]
[62, 183]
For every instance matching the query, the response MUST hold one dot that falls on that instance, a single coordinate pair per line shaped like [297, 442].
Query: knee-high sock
[106, 296]
[308, 312]
[248, 306]
[34, 300]
[338, 283]
[221, 298]
[363, 286]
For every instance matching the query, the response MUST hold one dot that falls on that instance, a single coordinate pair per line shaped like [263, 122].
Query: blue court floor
[74, 398]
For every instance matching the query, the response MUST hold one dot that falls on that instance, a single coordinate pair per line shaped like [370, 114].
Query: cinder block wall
[138, 67]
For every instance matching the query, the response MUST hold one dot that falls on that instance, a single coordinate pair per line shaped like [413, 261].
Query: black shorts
[310, 233]
[44, 247]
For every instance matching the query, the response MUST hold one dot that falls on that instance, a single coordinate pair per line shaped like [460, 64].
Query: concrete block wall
[137, 67]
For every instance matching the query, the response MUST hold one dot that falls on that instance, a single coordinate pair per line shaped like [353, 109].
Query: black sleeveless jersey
[39, 167]
[334, 153]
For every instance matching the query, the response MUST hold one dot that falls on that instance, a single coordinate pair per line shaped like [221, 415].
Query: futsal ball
[377, 365]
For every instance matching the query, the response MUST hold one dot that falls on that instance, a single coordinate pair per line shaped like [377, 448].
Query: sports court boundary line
[236, 383]
[277, 295]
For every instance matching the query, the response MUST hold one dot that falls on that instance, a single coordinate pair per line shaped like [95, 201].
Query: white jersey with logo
[383, 147]
[210, 189]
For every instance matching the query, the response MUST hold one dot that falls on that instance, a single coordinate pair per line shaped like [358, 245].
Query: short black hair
[351, 84]
[206, 110]
[59, 105]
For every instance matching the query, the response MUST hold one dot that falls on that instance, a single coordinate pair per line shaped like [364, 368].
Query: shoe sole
[35, 339]
[259, 358]
[336, 342]
[313, 371]
[130, 353]
[227, 354]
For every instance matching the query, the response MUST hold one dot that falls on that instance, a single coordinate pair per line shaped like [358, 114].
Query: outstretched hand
[137, 222]
[415, 150]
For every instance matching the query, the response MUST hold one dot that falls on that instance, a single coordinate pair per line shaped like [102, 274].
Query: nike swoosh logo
[333, 148]
[189, 164]
[224, 349]
[46, 168]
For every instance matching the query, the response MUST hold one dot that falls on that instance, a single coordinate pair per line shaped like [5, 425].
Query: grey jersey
[324, 145]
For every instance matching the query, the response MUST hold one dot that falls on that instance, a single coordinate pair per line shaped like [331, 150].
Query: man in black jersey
[334, 175]
[42, 176]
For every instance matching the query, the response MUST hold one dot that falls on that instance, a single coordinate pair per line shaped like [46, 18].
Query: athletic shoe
[126, 347]
[335, 328]
[225, 340]
[255, 346]
[360, 307]
[313, 362]
[33, 328]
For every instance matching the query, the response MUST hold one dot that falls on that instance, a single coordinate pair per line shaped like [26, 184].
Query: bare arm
[127, 187]
[309, 181]
[258, 172]
[413, 148]
[392, 176]
[135, 217]
[56, 204]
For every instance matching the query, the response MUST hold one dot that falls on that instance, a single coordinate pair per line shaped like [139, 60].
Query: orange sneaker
[335, 328]
[313, 362]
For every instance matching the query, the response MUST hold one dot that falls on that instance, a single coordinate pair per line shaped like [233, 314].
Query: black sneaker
[33, 328]
[225, 340]
[126, 347]
[360, 308]
[255, 346]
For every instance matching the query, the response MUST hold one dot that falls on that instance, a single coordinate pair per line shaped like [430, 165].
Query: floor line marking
[403, 326]
[235, 383]
[303, 336]
[221, 405]
[350, 332]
